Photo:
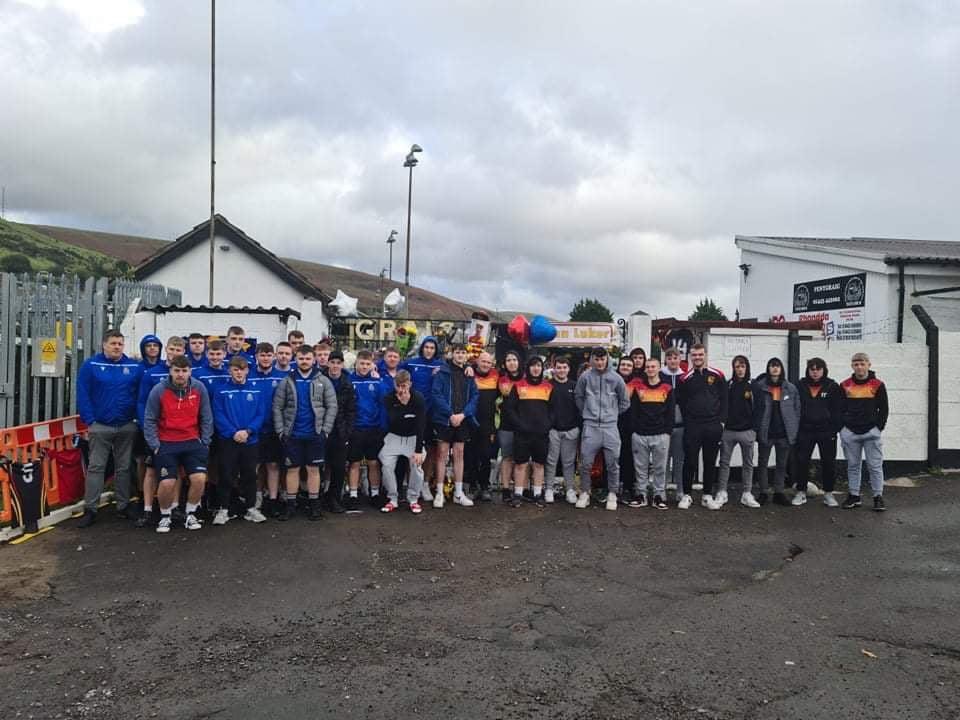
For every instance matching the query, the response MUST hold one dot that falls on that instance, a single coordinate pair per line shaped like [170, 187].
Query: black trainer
[762, 498]
[287, 510]
[852, 501]
[659, 503]
[781, 499]
[124, 513]
[540, 500]
[334, 505]
[351, 503]
[315, 513]
[485, 496]
[516, 501]
[88, 519]
[878, 504]
[145, 519]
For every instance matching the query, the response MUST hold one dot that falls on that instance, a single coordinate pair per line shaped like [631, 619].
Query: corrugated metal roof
[890, 250]
[283, 312]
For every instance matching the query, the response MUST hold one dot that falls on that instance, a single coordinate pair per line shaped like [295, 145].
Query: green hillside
[20, 244]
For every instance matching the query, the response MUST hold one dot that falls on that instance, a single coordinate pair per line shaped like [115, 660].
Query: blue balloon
[542, 331]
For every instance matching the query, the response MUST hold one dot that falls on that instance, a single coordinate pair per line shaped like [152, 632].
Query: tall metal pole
[213, 161]
[406, 274]
[391, 261]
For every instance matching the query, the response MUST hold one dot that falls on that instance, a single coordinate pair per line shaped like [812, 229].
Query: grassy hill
[51, 255]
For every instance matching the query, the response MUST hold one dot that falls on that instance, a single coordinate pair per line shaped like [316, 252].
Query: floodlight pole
[213, 161]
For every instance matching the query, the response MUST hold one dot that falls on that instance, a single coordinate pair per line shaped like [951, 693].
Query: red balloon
[519, 330]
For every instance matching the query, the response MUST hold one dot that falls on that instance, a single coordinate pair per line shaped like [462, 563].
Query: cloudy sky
[609, 149]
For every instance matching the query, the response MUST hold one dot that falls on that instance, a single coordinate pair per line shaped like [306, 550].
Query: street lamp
[391, 239]
[410, 162]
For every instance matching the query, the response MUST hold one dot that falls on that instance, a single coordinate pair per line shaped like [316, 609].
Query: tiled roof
[890, 250]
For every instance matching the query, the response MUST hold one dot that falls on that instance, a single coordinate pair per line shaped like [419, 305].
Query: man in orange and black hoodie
[652, 412]
[528, 411]
[821, 404]
[481, 446]
[864, 413]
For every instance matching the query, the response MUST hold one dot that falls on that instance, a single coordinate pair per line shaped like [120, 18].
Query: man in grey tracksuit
[671, 374]
[600, 396]
[777, 405]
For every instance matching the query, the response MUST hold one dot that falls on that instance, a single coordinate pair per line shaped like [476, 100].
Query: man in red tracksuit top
[178, 427]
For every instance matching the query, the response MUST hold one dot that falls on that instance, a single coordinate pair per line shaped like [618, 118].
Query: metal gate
[76, 312]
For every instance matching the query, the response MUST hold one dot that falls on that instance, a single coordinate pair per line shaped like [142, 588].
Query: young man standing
[510, 373]
[107, 386]
[304, 410]
[336, 464]
[296, 339]
[214, 371]
[738, 432]
[528, 407]
[601, 396]
[864, 414]
[367, 436]
[564, 436]
[266, 378]
[152, 366]
[236, 338]
[703, 402]
[422, 369]
[777, 405]
[321, 354]
[284, 357]
[821, 407]
[198, 350]
[652, 412]
[160, 372]
[178, 426]
[406, 413]
[480, 448]
[388, 367]
[454, 410]
[671, 374]
[239, 411]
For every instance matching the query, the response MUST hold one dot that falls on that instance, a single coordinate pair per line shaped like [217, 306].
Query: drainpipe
[793, 356]
[900, 293]
[933, 385]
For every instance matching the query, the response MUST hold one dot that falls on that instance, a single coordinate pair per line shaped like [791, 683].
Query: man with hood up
[510, 373]
[777, 404]
[422, 369]
[528, 408]
[738, 432]
[820, 420]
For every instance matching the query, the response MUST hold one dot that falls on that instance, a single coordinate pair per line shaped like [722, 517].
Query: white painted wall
[949, 390]
[639, 332]
[313, 322]
[758, 345]
[239, 279]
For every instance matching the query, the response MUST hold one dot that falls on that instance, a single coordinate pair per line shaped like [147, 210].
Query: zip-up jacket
[370, 393]
[740, 411]
[407, 420]
[703, 396]
[601, 397]
[528, 406]
[323, 401]
[196, 362]
[212, 377]
[673, 379]
[487, 393]
[267, 383]
[625, 420]
[651, 407]
[765, 394]
[107, 390]
[248, 355]
[821, 406]
[505, 384]
[422, 370]
[152, 375]
[346, 407]
[441, 408]
[239, 407]
[865, 404]
[563, 405]
[177, 414]
[143, 350]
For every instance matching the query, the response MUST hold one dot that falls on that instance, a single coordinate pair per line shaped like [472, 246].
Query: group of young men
[220, 429]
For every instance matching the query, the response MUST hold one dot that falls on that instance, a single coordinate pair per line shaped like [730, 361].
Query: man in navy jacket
[107, 386]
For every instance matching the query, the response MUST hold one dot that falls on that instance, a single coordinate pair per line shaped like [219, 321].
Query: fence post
[8, 346]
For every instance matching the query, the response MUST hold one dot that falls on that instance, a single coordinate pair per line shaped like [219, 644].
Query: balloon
[519, 330]
[542, 331]
[394, 302]
[345, 305]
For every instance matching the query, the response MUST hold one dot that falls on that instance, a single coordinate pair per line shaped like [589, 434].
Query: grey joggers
[596, 438]
[730, 439]
[103, 439]
[650, 450]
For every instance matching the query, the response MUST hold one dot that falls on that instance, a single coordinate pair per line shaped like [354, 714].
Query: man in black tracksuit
[738, 432]
[482, 448]
[703, 402]
[820, 421]
[565, 433]
[342, 427]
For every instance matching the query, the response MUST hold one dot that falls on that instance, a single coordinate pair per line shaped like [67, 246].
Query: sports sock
[458, 489]
[147, 508]
[192, 507]
[313, 496]
[537, 490]
[518, 491]
[354, 493]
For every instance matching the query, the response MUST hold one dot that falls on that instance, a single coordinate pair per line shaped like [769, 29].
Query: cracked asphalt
[495, 612]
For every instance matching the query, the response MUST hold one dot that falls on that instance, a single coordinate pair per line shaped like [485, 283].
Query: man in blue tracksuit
[107, 386]
[152, 375]
[239, 412]
[454, 416]
[266, 377]
[369, 428]
[423, 368]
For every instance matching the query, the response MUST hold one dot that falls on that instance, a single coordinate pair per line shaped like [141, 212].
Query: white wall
[758, 345]
[260, 326]
[639, 332]
[949, 390]
[239, 279]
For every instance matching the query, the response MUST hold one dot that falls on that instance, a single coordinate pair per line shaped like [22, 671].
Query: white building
[246, 275]
[861, 288]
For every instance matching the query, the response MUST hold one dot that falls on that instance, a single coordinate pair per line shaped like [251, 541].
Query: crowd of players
[215, 430]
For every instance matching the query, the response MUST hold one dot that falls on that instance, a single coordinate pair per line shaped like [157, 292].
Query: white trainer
[222, 516]
[463, 499]
[799, 499]
[611, 501]
[583, 502]
[164, 525]
[748, 500]
[548, 496]
[255, 516]
[813, 490]
[830, 500]
[425, 493]
[572, 496]
[685, 502]
[709, 503]
[721, 498]
[192, 523]
[438, 500]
